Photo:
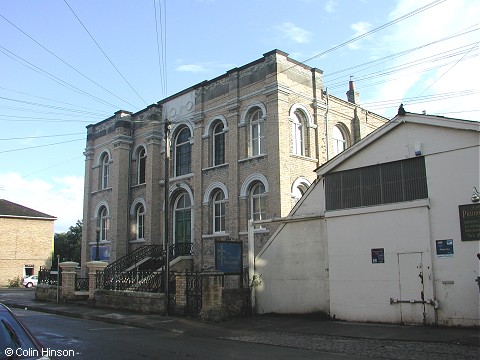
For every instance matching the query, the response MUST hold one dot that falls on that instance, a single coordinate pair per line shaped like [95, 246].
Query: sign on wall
[378, 256]
[104, 252]
[444, 248]
[470, 222]
[228, 256]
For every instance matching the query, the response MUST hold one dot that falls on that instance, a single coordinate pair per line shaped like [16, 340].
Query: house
[26, 241]
[243, 145]
[388, 233]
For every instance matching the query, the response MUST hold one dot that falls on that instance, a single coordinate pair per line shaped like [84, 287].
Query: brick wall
[24, 242]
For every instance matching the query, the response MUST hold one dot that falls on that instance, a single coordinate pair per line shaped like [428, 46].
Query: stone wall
[46, 293]
[126, 300]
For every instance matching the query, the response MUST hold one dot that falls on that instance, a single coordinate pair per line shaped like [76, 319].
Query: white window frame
[218, 216]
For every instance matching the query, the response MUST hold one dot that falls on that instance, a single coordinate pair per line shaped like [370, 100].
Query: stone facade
[243, 145]
[26, 241]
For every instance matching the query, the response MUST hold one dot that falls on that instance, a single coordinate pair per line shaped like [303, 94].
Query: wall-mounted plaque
[470, 222]
[229, 257]
[444, 248]
[378, 256]
[103, 252]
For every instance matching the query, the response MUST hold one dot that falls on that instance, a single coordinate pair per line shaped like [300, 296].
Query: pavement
[303, 331]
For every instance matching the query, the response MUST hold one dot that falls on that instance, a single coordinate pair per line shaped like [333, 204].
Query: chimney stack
[352, 95]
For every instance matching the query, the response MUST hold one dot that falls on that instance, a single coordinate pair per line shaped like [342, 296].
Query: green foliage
[15, 282]
[68, 245]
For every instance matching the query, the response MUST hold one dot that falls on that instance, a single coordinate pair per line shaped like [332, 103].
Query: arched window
[299, 188]
[257, 135]
[182, 219]
[103, 222]
[218, 143]
[218, 211]
[299, 132]
[140, 222]
[258, 202]
[105, 163]
[183, 152]
[141, 165]
[339, 140]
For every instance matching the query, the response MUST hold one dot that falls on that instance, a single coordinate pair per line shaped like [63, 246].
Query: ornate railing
[145, 281]
[129, 260]
[48, 277]
[81, 284]
[181, 249]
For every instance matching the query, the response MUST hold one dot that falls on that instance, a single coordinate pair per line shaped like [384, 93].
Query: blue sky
[67, 63]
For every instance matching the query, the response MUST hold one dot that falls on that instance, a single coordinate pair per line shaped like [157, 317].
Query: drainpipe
[129, 190]
[251, 263]
[326, 124]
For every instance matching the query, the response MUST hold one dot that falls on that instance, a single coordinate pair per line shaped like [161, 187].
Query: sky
[65, 64]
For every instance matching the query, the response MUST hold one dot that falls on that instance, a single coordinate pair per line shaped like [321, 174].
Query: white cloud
[330, 6]
[294, 33]
[62, 197]
[193, 68]
[449, 75]
[360, 28]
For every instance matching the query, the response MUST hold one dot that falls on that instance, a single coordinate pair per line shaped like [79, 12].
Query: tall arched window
[183, 152]
[218, 211]
[141, 165]
[258, 202]
[257, 135]
[218, 144]
[299, 138]
[182, 219]
[105, 180]
[103, 223]
[140, 222]
[339, 140]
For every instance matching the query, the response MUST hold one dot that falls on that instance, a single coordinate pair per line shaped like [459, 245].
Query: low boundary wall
[129, 300]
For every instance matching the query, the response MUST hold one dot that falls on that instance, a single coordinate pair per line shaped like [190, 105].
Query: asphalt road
[86, 339]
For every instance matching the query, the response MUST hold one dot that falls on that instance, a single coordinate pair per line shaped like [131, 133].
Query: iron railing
[135, 257]
[144, 281]
[49, 277]
[181, 249]
[81, 284]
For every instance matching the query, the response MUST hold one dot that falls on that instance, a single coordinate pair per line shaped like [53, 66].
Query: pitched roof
[10, 209]
[432, 120]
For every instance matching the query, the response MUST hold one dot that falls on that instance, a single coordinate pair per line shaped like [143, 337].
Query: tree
[68, 245]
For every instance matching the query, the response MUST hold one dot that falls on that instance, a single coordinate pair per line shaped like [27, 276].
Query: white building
[389, 232]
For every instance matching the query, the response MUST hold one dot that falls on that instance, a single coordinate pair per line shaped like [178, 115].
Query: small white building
[389, 232]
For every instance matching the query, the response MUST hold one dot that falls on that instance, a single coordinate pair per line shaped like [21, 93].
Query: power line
[44, 98]
[50, 167]
[390, 23]
[39, 137]
[103, 52]
[51, 106]
[63, 61]
[396, 55]
[40, 146]
[161, 49]
[409, 65]
[59, 81]
[428, 87]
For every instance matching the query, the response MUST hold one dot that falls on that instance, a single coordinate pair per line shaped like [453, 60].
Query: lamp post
[97, 249]
[166, 243]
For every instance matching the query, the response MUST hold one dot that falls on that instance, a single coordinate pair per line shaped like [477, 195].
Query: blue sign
[103, 252]
[229, 257]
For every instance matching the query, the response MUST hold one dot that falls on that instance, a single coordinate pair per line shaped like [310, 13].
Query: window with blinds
[386, 183]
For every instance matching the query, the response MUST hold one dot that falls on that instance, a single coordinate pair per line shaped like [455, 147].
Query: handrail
[122, 264]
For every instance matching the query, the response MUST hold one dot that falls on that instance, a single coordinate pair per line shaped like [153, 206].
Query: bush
[15, 282]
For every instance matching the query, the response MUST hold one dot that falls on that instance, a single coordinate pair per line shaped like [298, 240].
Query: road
[97, 340]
